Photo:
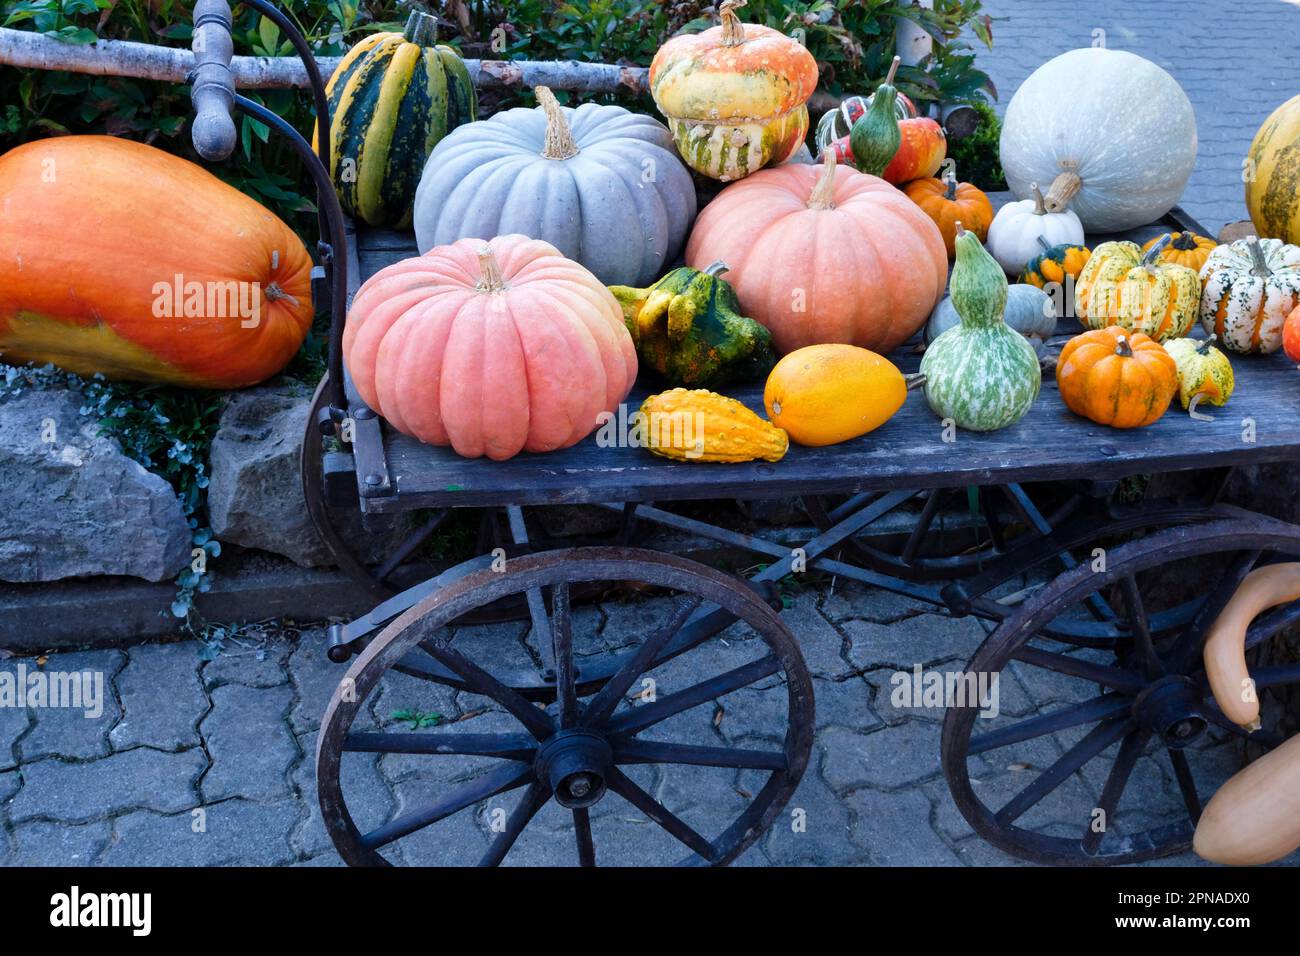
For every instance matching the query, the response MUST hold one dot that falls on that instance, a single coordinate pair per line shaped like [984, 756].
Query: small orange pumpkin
[1116, 377]
[949, 202]
[1184, 249]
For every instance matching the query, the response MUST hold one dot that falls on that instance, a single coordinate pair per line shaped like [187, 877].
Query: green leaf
[269, 34]
[79, 36]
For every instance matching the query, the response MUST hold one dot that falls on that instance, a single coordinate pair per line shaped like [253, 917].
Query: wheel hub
[1170, 707]
[574, 764]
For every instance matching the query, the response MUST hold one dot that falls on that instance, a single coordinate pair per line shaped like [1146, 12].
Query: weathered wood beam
[23, 48]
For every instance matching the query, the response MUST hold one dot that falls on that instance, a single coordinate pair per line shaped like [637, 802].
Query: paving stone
[975, 852]
[14, 722]
[587, 625]
[895, 696]
[368, 798]
[261, 664]
[458, 840]
[819, 642]
[144, 778]
[56, 844]
[315, 677]
[814, 829]
[853, 601]
[888, 758]
[233, 832]
[79, 732]
[894, 829]
[251, 746]
[10, 782]
[924, 639]
[844, 703]
[162, 698]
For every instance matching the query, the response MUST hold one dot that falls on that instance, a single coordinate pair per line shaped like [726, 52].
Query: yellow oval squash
[699, 425]
[1273, 175]
[1255, 816]
[827, 394]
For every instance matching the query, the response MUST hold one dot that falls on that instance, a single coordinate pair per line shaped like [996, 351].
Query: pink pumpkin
[824, 255]
[491, 348]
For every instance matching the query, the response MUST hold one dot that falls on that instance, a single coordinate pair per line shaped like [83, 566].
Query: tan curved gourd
[1255, 816]
[1225, 646]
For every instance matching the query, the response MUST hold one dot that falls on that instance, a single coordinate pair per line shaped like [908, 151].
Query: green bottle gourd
[875, 136]
[982, 374]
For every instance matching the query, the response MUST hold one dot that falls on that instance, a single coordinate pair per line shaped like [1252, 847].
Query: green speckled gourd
[982, 374]
[689, 328]
[875, 136]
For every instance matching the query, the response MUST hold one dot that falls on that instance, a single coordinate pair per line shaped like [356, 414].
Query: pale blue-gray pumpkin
[1030, 311]
[982, 374]
[603, 185]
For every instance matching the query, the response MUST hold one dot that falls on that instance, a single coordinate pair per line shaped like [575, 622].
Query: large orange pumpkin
[121, 259]
[1116, 377]
[825, 255]
[491, 348]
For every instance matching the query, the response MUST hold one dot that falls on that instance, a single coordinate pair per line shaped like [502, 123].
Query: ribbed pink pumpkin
[491, 348]
[824, 255]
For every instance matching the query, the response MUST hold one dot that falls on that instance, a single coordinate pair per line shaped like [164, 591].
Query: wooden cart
[1126, 587]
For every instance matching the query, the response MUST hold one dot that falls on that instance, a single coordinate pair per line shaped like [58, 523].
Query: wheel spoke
[566, 692]
[1088, 712]
[653, 751]
[1120, 771]
[603, 704]
[1084, 670]
[1275, 676]
[411, 545]
[1140, 627]
[505, 746]
[582, 830]
[989, 512]
[480, 681]
[639, 718]
[1269, 623]
[626, 788]
[1186, 784]
[508, 776]
[922, 527]
[534, 799]
[1097, 740]
[1188, 646]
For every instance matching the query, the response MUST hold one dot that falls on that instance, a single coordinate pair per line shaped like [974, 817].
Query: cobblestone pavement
[235, 737]
[1230, 59]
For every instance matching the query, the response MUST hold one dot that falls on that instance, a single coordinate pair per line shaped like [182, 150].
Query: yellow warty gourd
[699, 425]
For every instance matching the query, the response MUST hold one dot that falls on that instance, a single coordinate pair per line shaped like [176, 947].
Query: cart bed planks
[912, 450]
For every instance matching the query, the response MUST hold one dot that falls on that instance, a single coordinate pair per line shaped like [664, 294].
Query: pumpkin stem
[490, 278]
[1042, 241]
[274, 294]
[716, 269]
[893, 69]
[950, 183]
[559, 138]
[1204, 347]
[1040, 208]
[823, 194]
[733, 31]
[1191, 409]
[421, 29]
[1064, 187]
[1184, 241]
[1260, 267]
[1123, 348]
[961, 230]
[914, 381]
[1150, 258]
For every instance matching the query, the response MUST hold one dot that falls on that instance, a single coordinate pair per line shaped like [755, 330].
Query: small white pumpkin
[1020, 228]
[1113, 135]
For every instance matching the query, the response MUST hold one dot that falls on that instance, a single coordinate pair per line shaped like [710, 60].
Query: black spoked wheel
[953, 535]
[1114, 768]
[583, 759]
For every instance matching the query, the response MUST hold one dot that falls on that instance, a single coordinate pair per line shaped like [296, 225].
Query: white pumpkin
[1112, 132]
[1017, 228]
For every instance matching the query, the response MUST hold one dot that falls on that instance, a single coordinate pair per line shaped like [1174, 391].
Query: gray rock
[141, 778]
[75, 504]
[255, 492]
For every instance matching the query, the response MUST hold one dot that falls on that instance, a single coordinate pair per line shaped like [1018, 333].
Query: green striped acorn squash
[981, 374]
[393, 97]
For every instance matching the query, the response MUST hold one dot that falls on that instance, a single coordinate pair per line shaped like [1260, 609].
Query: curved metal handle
[212, 83]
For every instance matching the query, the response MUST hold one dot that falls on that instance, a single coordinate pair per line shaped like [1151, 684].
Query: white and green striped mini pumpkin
[1247, 291]
[393, 97]
[982, 374]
